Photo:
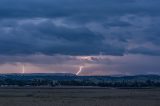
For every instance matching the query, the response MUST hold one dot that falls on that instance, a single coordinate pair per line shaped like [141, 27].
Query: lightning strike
[80, 70]
[23, 69]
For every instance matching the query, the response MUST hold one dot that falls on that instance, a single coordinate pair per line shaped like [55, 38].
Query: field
[79, 97]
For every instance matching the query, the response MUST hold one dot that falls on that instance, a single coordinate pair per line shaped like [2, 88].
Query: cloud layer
[72, 28]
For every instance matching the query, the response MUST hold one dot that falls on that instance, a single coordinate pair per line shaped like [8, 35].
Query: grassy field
[79, 97]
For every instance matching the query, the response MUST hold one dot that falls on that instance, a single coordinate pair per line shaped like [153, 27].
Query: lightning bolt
[80, 70]
[23, 69]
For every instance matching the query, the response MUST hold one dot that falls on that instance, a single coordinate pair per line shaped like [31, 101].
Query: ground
[79, 97]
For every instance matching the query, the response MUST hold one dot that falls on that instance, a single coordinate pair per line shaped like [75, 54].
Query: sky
[95, 37]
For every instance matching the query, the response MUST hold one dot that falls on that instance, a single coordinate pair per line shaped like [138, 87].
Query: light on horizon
[23, 69]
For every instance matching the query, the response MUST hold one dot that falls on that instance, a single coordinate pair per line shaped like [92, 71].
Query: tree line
[85, 82]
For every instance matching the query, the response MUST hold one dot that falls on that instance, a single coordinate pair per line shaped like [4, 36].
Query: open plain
[79, 97]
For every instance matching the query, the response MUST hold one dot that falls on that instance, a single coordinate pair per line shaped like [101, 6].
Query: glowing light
[80, 70]
[88, 58]
[23, 69]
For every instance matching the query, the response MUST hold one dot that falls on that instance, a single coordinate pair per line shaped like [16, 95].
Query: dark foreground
[79, 97]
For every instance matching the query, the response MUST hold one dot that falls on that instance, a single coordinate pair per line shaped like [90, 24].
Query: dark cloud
[78, 8]
[80, 28]
[145, 51]
[31, 36]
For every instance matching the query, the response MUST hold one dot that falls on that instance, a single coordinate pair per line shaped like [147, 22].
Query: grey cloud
[29, 36]
[79, 27]
[145, 51]
[80, 8]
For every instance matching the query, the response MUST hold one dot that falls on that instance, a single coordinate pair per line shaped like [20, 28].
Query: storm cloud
[79, 27]
[47, 28]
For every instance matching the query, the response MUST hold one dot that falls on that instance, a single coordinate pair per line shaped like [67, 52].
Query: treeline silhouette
[134, 81]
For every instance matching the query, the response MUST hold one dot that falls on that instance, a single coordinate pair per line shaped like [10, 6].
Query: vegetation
[101, 81]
